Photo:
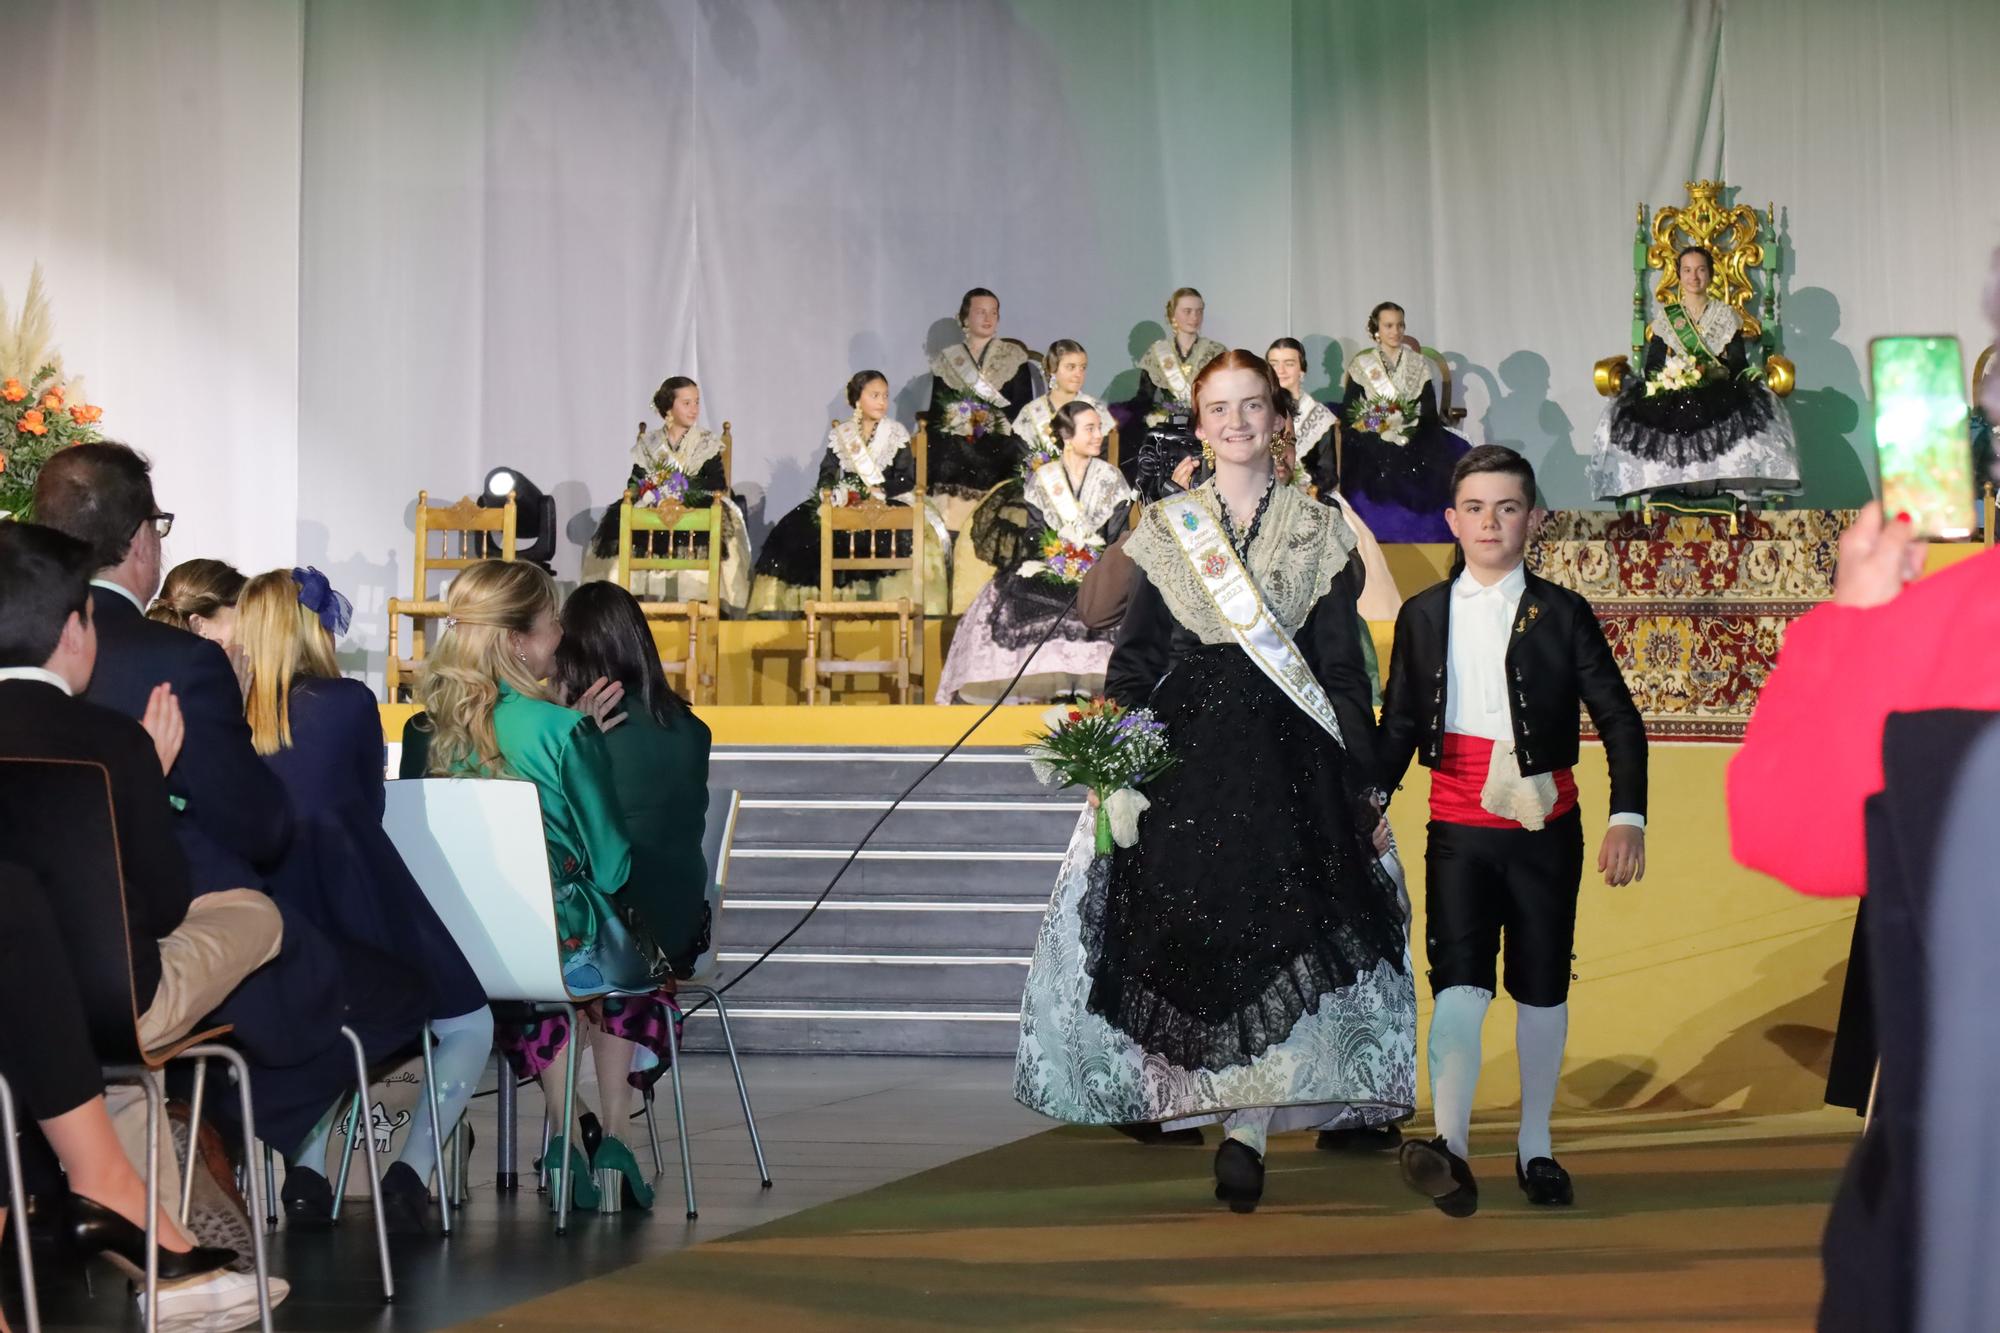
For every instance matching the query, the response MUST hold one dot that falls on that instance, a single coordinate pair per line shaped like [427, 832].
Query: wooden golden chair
[872, 529]
[674, 539]
[481, 534]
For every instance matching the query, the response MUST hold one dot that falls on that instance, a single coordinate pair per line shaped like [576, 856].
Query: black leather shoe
[1545, 1183]
[406, 1202]
[590, 1133]
[91, 1228]
[1239, 1176]
[1150, 1133]
[1433, 1169]
[308, 1199]
[1365, 1138]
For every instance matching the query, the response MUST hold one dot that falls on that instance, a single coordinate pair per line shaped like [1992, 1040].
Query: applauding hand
[163, 722]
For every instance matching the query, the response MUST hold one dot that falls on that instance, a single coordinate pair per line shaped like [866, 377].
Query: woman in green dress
[487, 714]
[659, 763]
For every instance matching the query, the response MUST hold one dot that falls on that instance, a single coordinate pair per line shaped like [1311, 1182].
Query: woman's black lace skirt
[1254, 891]
[1686, 427]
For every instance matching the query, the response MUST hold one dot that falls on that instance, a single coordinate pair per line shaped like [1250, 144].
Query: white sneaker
[212, 1304]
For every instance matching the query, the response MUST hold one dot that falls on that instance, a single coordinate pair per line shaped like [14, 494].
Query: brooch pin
[1213, 564]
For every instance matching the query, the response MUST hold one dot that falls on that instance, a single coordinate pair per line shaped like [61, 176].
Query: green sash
[1689, 336]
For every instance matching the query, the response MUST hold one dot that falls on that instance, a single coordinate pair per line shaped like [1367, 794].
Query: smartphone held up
[1923, 444]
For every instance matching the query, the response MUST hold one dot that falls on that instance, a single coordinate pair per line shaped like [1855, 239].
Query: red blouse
[1813, 750]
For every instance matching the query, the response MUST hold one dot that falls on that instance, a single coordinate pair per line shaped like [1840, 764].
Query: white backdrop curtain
[316, 257]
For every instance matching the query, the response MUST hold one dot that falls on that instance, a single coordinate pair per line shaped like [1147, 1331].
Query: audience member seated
[659, 763]
[199, 596]
[189, 951]
[322, 736]
[488, 715]
[234, 823]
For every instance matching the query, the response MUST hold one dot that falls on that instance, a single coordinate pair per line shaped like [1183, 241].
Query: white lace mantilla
[1410, 374]
[1719, 323]
[1034, 425]
[1351, 1060]
[1004, 359]
[656, 453]
[1102, 495]
[1310, 424]
[868, 459]
[1300, 548]
[1162, 363]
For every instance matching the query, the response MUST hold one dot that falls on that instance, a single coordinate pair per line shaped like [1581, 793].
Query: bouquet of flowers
[849, 491]
[670, 485]
[1063, 563]
[968, 416]
[39, 412]
[1110, 750]
[1390, 418]
[1680, 372]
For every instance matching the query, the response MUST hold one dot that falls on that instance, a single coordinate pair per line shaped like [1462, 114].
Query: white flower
[1044, 771]
[1392, 429]
[1123, 807]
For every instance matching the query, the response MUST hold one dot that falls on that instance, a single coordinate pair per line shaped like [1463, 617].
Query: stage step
[924, 945]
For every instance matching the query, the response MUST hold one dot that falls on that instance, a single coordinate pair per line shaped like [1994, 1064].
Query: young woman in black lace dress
[1246, 960]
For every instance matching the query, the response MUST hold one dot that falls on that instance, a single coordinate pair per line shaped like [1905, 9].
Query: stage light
[534, 514]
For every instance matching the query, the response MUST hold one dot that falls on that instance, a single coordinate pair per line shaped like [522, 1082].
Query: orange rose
[32, 423]
[52, 399]
[3, 462]
[12, 391]
[86, 415]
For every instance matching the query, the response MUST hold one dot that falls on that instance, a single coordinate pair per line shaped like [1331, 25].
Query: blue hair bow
[316, 595]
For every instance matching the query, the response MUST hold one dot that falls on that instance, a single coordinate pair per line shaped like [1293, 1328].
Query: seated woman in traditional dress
[1396, 456]
[322, 737]
[1159, 412]
[992, 538]
[487, 715]
[1315, 448]
[1697, 420]
[978, 387]
[1077, 504]
[679, 462]
[867, 458]
[1246, 960]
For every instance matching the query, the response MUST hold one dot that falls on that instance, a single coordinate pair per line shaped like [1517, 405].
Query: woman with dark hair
[659, 763]
[1161, 408]
[867, 458]
[681, 463]
[1077, 504]
[1242, 958]
[1396, 456]
[978, 386]
[1697, 420]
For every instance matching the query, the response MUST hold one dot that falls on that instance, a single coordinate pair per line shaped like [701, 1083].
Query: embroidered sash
[1052, 485]
[655, 452]
[1235, 594]
[1310, 424]
[1688, 336]
[1375, 378]
[959, 358]
[859, 456]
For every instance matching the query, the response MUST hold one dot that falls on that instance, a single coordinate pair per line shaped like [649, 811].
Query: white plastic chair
[718, 837]
[476, 848]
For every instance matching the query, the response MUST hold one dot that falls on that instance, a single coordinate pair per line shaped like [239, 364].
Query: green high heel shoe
[582, 1184]
[615, 1156]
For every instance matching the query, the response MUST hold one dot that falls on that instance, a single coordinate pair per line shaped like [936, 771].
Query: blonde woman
[322, 737]
[488, 715]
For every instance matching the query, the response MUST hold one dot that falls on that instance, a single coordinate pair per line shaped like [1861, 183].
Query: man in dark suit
[235, 821]
[1485, 681]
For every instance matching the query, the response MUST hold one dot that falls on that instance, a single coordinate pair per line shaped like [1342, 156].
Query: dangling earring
[1208, 453]
[1277, 446]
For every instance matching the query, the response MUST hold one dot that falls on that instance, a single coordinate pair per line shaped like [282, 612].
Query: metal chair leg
[17, 1205]
[653, 1131]
[542, 1171]
[505, 1178]
[194, 1136]
[559, 1179]
[680, 1115]
[270, 1187]
[234, 1059]
[736, 1067]
[366, 1130]
[437, 1134]
[347, 1132]
[155, 1112]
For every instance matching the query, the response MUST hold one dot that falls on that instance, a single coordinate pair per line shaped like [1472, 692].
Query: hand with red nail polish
[1876, 559]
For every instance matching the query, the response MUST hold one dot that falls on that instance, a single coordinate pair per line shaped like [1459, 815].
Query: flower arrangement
[670, 485]
[40, 412]
[1063, 563]
[1680, 372]
[1109, 750]
[849, 491]
[969, 416]
[1390, 418]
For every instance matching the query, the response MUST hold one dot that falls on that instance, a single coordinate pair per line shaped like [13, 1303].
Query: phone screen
[1923, 448]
